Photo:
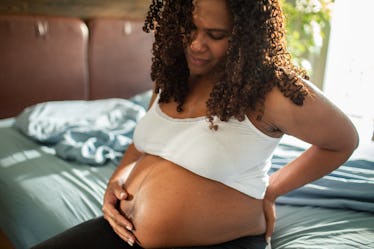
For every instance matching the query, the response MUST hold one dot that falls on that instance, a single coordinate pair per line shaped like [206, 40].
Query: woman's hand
[114, 193]
[270, 216]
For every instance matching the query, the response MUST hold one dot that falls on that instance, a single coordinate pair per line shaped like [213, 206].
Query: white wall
[349, 76]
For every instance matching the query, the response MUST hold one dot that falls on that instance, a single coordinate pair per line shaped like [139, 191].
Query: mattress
[41, 194]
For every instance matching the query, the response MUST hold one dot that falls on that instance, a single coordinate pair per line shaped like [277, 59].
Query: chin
[200, 71]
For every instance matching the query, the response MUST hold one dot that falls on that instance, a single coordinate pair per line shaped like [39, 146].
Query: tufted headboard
[44, 58]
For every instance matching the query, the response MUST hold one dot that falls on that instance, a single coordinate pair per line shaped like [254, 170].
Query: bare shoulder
[317, 121]
[277, 104]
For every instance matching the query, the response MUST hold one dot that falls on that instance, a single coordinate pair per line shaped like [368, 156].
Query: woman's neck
[200, 87]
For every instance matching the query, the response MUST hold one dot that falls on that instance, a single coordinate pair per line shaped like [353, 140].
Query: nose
[198, 43]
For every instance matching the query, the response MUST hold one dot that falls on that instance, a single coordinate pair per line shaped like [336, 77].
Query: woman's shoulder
[316, 121]
[277, 98]
[281, 111]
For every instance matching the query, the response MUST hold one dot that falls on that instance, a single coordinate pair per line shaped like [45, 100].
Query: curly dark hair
[256, 61]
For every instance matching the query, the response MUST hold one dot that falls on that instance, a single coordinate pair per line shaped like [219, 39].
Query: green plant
[308, 25]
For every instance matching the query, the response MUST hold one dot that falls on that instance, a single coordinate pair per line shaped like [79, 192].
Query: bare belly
[171, 206]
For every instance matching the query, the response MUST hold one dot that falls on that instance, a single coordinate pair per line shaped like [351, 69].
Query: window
[349, 75]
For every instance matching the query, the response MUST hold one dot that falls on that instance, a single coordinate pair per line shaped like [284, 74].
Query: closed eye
[217, 34]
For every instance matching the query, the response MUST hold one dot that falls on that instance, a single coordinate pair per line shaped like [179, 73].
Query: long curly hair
[256, 60]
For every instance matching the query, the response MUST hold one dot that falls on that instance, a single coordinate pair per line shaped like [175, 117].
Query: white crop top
[237, 154]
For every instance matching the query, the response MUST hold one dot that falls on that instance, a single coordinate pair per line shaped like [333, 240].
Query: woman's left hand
[270, 216]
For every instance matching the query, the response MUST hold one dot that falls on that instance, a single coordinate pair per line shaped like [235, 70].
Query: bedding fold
[351, 186]
[90, 132]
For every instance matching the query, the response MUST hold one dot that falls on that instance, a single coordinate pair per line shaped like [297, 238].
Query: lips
[197, 61]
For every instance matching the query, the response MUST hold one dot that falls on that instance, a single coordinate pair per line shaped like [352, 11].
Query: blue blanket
[89, 132]
[351, 186]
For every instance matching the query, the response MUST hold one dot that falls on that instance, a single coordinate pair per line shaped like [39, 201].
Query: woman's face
[209, 43]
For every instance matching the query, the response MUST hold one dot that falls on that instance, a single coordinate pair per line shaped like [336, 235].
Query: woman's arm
[331, 134]
[116, 192]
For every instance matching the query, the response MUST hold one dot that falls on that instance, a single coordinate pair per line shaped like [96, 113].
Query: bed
[61, 137]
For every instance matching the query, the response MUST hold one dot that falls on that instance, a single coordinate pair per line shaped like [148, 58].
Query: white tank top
[237, 154]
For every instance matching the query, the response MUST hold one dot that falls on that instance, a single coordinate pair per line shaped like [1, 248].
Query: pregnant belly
[171, 206]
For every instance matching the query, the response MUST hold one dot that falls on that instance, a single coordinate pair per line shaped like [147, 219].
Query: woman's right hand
[114, 193]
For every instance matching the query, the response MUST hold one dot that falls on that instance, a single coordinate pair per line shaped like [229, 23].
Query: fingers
[120, 224]
[269, 230]
[118, 190]
[113, 215]
[270, 215]
[125, 232]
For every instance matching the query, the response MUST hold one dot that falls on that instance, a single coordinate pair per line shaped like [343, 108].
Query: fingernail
[129, 228]
[122, 195]
[130, 242]
[268, 240]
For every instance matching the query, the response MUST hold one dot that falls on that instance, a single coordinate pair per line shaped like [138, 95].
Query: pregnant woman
[225, 93]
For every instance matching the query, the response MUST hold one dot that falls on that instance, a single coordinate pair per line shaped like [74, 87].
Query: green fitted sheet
[41, 194]
[304, 227]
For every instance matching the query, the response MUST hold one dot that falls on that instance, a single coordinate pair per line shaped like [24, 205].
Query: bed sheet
[41, 194]
[306, 227]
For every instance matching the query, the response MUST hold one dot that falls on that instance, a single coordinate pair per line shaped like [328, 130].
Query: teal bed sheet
[309, 227]
[41, 194]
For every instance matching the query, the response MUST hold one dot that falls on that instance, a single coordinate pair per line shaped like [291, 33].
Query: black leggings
[98, 234]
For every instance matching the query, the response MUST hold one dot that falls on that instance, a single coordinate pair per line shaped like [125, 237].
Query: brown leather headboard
[41, 58]
[119, 55]
[45, 58]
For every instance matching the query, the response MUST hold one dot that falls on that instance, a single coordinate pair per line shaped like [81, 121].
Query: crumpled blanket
[90, 132]
[351, 186]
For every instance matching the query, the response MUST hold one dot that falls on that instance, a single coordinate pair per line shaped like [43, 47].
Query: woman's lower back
[171, 206]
